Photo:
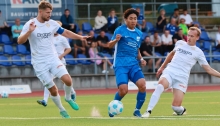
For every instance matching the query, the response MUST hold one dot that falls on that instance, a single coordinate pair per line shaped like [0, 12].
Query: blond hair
[60, 23]
[195, 29]
[44, 5]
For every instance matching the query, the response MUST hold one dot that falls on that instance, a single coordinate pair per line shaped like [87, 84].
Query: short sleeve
[159, 39]
[65, 43]
[13, 28]
[56, 26]
[115, 33]
[201, 59]
[25, 28]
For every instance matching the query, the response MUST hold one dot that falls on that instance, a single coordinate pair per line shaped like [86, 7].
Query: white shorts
[46, 71]
[175, 81]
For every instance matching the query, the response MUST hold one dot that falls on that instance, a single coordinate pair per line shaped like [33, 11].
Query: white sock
[155, 97]
[178, 109]
[73, 91]
[67, 90]
[57, 101]
[46, 94]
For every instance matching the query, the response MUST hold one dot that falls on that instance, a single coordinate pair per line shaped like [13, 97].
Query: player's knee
[53, 90]
[141, 83]
[123, 90]
[67, 80]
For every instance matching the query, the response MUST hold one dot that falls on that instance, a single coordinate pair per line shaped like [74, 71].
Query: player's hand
[32, 26]
[143, 63]
[118, 37]
[159, 71]
[60, 57]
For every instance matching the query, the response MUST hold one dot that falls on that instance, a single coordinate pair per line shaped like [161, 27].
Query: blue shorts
[125, 73]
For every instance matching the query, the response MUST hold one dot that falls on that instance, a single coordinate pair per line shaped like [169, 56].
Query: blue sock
[117, 96]
[140, 99]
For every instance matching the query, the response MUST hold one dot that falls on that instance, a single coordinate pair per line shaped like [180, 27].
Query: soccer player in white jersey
[46, 63]
[63, 48]
[176, 70]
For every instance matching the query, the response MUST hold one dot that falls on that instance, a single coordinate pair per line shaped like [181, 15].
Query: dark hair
[184, 9]
[130, 11]
[66, 10]
[44, 5]
[177, 9]
[146, 37]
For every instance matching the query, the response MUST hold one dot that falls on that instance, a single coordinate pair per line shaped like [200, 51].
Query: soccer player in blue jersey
[127, 41]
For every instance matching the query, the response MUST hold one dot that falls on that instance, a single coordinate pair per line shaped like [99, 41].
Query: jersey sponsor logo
[43, 35]
[132, 44]
[33, 3]
[184, 51]
[138, 38]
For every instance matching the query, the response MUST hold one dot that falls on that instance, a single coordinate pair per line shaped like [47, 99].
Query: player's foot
[64, 114]
[110, 115]
[73, 97]
[146, 114]
[179, 114]
[42, 102]
[73, 104]
[137, 113]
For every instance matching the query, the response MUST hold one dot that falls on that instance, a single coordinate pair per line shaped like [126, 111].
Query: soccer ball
[115, 107]
[4, 94]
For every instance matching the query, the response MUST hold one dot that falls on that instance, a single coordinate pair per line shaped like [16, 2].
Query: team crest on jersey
[48, 25]
[138, 38]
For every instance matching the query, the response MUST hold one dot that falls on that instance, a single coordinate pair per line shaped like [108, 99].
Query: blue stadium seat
[69, 60]
[96, 35]
[143, 36]
[216, 58]
[108, 56]
[5, 39]
[8, 50]
[207, 56]
[83, 61]
[204, 36]
[21, 49]
[108, 35]
[4, 61]
[206, 45]
[86, 27]
[77, 27]
[17, 63]
[198, 44]
[150, 27]
[28, 59]
[157, 54]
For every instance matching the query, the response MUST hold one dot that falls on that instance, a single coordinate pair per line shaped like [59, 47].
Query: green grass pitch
[203, 109]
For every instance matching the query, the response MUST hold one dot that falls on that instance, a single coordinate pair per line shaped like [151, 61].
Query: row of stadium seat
[20, 61]
[8, 49]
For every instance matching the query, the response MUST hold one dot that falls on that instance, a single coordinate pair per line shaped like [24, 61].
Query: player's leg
[47, 79]
[73, 93]
[179, 89]
[163, 83]
[122, 83]
[46, 96]
[138, 79]
[59, 70]
[178, 96]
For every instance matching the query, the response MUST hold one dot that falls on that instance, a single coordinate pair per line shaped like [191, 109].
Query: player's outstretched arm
[211, 71]
[72, 35]
[113, 42]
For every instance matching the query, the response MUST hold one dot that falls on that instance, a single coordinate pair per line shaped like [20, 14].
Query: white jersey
[41, 40]
[61, 43]
[185, 58]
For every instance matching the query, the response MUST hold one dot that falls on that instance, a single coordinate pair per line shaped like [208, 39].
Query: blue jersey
[126, 49]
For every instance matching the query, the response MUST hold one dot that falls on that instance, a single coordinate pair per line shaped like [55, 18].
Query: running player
[63, 48]
[176, 73]
[127, 41]
[46, 63]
